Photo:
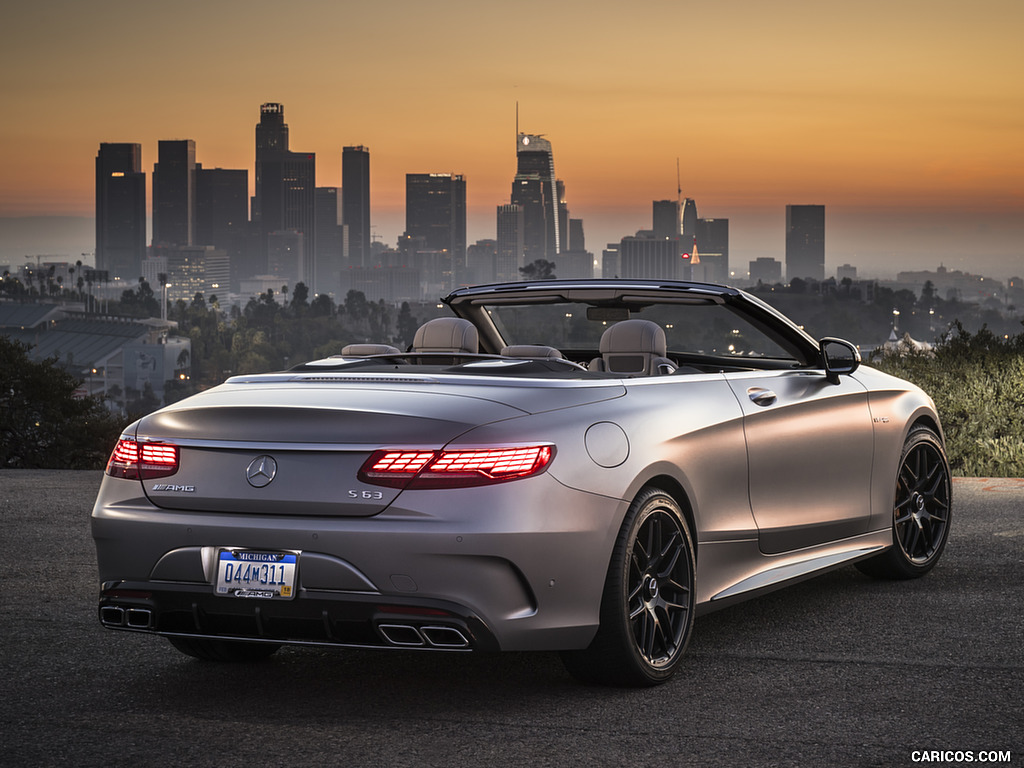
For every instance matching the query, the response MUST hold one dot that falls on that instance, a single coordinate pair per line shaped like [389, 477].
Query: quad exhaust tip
[411, 636]
[132, 618]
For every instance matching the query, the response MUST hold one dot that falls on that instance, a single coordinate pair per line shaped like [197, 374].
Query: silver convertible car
[580, 466]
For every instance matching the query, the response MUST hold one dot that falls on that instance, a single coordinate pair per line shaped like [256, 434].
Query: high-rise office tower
[511, 247]
[435, 208]
[577, 239]
[667, 221]
[481, 259]
[574, 260]
[271, 136]
[285, 187]
[355, 204]
[689, 219]
[651, 258]
[120, 210]
[805, 242]
[713, 249]
[535, 189]
[222, 217]
[174, 185]
[329, 241]
[435, 215]
[222, 205]
[563, 217]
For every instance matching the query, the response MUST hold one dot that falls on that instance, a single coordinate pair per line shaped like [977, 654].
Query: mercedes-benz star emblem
[261, 471]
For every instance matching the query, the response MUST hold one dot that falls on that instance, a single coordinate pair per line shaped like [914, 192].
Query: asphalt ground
[838, 671]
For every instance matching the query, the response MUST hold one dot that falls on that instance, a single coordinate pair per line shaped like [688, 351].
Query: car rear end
[352, 512]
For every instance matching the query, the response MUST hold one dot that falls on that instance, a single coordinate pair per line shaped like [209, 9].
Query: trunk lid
[288, 444]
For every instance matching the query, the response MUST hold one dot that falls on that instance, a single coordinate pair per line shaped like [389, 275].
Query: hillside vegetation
[977, 382]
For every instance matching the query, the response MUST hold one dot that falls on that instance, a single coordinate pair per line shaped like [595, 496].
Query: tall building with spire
[120, 210]
[285, 203]
[536, 190]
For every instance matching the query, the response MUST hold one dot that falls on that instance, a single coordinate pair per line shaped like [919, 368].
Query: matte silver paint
[783, 473]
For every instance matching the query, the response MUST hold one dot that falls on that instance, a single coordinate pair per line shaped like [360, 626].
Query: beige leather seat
[446, 335]
[634, 348]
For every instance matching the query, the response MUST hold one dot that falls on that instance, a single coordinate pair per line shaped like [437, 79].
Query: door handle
[761, 396]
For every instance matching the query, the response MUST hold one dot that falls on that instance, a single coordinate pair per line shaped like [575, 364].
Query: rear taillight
[454, 468]
[133, 460]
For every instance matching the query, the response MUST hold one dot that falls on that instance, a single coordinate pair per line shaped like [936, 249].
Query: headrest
[530, 350]
[634, 336]
[363, 350]
[446, 334]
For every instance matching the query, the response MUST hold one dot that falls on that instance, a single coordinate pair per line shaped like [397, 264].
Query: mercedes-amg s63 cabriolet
[581, 466]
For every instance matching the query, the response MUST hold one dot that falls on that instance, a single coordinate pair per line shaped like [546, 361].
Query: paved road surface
[839, 671]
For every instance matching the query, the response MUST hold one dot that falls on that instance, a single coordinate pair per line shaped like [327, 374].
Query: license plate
[256, 574]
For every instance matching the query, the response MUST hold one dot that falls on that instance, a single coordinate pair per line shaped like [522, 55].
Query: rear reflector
[453, 468]
[133, 460]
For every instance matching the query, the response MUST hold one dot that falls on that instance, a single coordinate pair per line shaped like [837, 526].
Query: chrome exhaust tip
[138, 618]
[112, 615]
[444, 637]
[402, 635]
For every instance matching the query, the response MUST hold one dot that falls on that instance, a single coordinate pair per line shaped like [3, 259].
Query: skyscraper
[667, 220]
[222, 217]
[174, 184]
[435, 216]
[713, 248]
[535, 189]
[329, 241]
[805, 242]
[435, 209]
[650, 258]
[355, 204]
[510, 243]
[120, 210]
[285, 187]
[689, 219]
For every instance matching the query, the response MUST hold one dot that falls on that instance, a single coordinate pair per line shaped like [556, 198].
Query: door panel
[809, 448]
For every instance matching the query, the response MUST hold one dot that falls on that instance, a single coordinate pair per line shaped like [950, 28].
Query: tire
[922, 511]
[648, 600]
[232, 651]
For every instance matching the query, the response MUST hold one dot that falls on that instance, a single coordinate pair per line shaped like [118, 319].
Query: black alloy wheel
[922, 510]
[647, 608]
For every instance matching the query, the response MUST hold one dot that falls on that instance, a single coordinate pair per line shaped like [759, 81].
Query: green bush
[977, 382]
[43, 425]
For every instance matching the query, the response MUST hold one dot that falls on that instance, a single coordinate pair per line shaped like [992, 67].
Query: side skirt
[770, 572]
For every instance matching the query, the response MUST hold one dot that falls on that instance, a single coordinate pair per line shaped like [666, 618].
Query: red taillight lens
[454, 469]
[142, 461]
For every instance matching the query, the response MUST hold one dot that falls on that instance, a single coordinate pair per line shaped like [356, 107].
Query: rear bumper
[352, 621]
[509, 568]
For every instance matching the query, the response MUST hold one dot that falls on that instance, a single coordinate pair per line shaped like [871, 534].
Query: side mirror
[839, 357]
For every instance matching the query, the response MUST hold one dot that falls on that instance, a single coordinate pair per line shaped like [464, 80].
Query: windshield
[691, 328]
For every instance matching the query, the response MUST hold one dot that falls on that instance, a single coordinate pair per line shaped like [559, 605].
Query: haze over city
[904, 120]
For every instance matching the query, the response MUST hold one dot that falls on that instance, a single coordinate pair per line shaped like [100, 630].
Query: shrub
[977, 382]
[43, 425]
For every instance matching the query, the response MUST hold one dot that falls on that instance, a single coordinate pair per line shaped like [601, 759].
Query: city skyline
[907, 131]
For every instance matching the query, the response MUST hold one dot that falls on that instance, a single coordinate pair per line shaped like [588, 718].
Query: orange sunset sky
[904, 118]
